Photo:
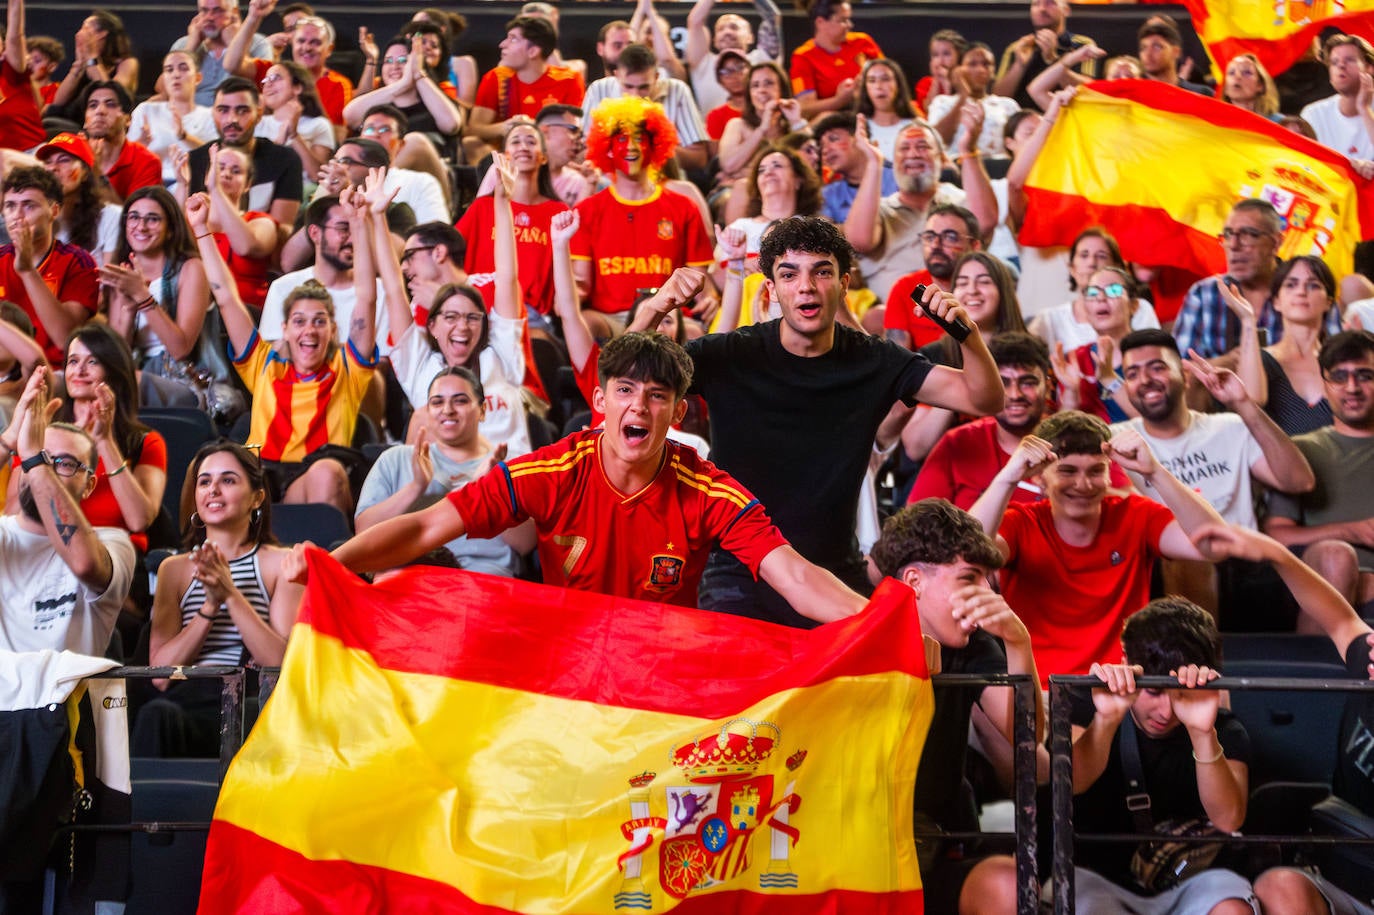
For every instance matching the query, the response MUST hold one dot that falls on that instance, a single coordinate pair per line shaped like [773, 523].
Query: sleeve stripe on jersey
[565, 461]
[714, 488]
[742, 512]
[510, 490]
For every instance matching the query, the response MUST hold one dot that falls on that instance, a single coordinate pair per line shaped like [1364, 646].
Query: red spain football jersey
[649, 545]
[637, 244]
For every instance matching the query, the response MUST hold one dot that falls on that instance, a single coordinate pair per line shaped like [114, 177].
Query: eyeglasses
[349, 161]
[570, 128]
[342, 228]
[272, 78]
[1246, 237]
[408, 253]
[1111, 291]
[148, 219]
[398, 60]
[1342, 376]
[453, 317]
[64, 465]
[948, 237]
[731, 70]
[378, 131]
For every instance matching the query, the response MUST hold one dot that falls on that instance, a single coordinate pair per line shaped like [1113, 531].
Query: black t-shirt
[939, 794]
[1170, 778]
[1354, 777]
[275, 167]
[797, 432]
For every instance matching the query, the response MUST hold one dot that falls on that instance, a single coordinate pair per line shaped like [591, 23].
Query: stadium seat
[321, 524]
[1292, 733]
[167, 865]
[1278, 646]
[186, 431]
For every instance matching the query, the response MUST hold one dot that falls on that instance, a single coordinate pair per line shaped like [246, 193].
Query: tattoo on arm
[65, 529]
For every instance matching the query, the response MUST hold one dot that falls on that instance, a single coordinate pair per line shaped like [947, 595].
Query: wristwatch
[93, 62]
[41, 457]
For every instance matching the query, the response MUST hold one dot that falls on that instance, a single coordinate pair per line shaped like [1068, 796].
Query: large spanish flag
[1277, 32]
[443, 741]
[1161, 167]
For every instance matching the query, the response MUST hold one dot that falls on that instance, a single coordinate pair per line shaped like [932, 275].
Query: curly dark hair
[812, 234]
[933, 532]
[807, 201]
[1169, 633]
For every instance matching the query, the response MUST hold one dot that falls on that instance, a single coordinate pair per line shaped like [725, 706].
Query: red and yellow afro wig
[620, 115]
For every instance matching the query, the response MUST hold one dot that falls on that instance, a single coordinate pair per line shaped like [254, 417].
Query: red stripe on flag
[1055, 218]
[318, 428]
[290, 882]
[401, 623]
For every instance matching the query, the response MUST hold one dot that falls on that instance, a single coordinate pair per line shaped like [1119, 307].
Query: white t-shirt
[269, 327]
[1213, 458]
[886, 137]
[44, 605]
[1059, 326]
[106, 233]
[502, 366]
[1346, 136]
[422, 191]
[997, 110]
[156, 118]
[315, 131]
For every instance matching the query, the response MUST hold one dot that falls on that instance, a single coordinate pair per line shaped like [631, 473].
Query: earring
[196, 521]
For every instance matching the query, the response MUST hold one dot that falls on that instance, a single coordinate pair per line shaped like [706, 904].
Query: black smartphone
[956, 328]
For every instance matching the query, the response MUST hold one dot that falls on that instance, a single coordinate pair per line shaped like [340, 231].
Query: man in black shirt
[942, 554]
[277, 188]
[795, 405]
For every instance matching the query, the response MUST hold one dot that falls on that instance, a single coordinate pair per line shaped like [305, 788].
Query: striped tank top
[224, 644]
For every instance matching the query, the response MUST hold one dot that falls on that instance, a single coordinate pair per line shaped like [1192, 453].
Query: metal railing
[1061, 771]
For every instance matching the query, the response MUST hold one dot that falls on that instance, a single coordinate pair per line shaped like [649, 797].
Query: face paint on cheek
[623, 146]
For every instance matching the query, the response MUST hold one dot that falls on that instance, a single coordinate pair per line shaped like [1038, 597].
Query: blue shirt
[838, 196]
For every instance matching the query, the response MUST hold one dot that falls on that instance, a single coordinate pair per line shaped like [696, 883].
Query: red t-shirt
[136, 167]
[533, 252]
[101, 508]
[637, 244]
[815, 69]
[964, 461]
[1074, 600]
[501, 91]
[21, 124]
[69, 271]
[252, 275]
[335, 92]
[902, 314]
[650, 545]
[718, 117]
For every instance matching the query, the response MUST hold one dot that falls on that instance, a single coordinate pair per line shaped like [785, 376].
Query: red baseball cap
[72, 145]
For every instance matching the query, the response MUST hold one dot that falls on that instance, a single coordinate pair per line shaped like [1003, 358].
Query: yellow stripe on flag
[531, 802]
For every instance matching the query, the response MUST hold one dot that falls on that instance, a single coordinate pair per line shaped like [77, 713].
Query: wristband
[1110, 387]
[120, 469]
[147, 303]
[211, 617]
[93, 62]
[206, 235]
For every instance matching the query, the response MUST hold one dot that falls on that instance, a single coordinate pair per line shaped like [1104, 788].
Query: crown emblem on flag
[733, 753]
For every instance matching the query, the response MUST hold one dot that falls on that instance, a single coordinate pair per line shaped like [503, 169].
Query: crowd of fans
[463, 265]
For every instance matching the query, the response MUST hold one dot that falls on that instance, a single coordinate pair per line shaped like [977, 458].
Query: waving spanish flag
[1160, 168]
[1277, 32]
[444, 741]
